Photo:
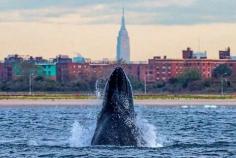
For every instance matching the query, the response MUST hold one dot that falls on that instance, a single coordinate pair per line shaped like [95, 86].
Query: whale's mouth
[119, 81]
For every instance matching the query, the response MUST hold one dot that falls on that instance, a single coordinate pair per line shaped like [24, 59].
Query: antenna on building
[199, 44]
[123, 3]
[123, 18]
[123, 8]
[123, 11]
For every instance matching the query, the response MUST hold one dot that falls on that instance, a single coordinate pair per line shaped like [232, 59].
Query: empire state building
[123, 46]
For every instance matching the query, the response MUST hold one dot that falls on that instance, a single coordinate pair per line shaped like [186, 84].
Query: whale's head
[118, 96]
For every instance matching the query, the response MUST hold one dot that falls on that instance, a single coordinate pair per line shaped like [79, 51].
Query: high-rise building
[123, 46]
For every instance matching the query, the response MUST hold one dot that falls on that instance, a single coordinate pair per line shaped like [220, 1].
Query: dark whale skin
[116, 123]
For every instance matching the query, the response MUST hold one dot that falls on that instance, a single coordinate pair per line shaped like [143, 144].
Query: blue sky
[166, 12]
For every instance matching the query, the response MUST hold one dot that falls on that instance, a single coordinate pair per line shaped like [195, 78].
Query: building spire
[123, 19]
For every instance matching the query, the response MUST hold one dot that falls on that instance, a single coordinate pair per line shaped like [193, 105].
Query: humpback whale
[116, 123]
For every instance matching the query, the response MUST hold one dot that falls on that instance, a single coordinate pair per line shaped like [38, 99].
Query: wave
[216, 144]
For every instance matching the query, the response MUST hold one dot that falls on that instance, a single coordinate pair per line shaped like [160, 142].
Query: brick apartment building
[164, 69]
[73, 71]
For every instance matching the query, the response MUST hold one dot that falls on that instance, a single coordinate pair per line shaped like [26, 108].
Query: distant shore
[94, 102]
[56, 99]
[76, 96]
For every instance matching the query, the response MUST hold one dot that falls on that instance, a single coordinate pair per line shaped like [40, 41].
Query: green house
[47, 70]
[22, 69]
[17, 69]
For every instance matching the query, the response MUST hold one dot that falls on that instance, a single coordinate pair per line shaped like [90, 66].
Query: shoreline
[94, 102]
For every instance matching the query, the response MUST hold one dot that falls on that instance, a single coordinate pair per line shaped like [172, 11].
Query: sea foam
[210, 106]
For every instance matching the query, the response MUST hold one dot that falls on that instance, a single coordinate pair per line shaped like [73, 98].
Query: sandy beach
[93, 102]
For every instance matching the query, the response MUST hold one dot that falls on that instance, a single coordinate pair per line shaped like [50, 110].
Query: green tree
[222, 71]
[137, 85]
[189, 76]
[196, 85]
[81, 85]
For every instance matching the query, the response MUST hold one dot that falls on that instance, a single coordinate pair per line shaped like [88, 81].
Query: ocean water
[184, 131]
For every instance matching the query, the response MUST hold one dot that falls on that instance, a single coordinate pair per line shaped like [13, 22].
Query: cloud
[168, 12]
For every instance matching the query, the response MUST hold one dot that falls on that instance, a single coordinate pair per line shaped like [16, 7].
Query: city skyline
[50, 28]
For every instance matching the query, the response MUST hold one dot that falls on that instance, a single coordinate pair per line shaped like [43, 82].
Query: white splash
[80, 136]
[98, 89]
[33, 143]
[149, 133]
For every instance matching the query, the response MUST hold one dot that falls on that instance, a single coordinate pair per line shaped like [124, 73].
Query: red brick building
[164, 69]
[1, 71]
[7, 72]
[73, 71]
